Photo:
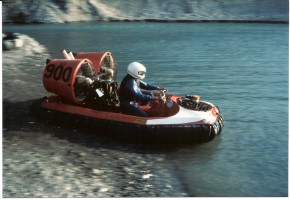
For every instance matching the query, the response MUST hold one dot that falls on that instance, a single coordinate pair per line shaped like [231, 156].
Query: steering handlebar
[163, 95]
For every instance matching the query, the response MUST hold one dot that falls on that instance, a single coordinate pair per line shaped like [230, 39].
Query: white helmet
[136, 70]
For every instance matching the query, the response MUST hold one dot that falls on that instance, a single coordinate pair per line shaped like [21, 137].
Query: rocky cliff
[62, 11]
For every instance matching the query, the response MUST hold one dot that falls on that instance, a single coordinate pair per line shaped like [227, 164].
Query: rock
[97, 171]
[146, 176]
[104, 190]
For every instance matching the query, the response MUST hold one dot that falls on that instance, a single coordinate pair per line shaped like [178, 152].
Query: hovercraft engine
[77, 81]
[192, 102]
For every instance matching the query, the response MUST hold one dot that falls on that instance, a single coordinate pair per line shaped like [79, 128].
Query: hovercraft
[96, 105]
[12, 40]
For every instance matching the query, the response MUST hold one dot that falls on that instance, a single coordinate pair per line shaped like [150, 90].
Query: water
[242, 68]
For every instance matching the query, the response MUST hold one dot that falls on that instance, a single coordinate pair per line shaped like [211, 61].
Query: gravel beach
[43, 160]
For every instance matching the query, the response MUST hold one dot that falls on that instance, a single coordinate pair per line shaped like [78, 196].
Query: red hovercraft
[96, 105]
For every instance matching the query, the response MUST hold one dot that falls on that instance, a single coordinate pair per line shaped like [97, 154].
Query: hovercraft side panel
[56, 103]
[137, 129]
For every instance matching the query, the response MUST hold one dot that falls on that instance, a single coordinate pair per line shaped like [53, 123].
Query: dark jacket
[130, 90]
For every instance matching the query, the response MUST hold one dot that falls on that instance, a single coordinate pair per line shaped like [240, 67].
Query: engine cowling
[59, 77]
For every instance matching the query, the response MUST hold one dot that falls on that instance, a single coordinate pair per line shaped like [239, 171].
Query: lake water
[242, 68]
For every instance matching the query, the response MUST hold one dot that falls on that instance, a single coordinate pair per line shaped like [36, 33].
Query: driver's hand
[196, 97]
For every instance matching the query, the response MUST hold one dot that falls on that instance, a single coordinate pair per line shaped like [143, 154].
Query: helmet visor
[141, 73]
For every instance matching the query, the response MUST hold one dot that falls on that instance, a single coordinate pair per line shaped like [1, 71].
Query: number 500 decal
[58, 72]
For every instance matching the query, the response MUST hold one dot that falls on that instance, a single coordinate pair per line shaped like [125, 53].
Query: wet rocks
[59, 168]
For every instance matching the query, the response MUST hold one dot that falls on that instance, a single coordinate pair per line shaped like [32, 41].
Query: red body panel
[55, 102]
[155, 109]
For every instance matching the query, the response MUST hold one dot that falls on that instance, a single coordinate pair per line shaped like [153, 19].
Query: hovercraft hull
[183, 124]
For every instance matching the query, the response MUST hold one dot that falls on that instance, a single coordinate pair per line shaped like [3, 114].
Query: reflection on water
[242, 68]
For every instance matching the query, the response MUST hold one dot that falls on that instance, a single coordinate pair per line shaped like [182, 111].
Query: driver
[130, 92]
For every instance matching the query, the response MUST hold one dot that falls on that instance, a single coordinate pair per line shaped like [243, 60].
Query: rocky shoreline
[166, 21]
[69, 11]
[44, 160]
